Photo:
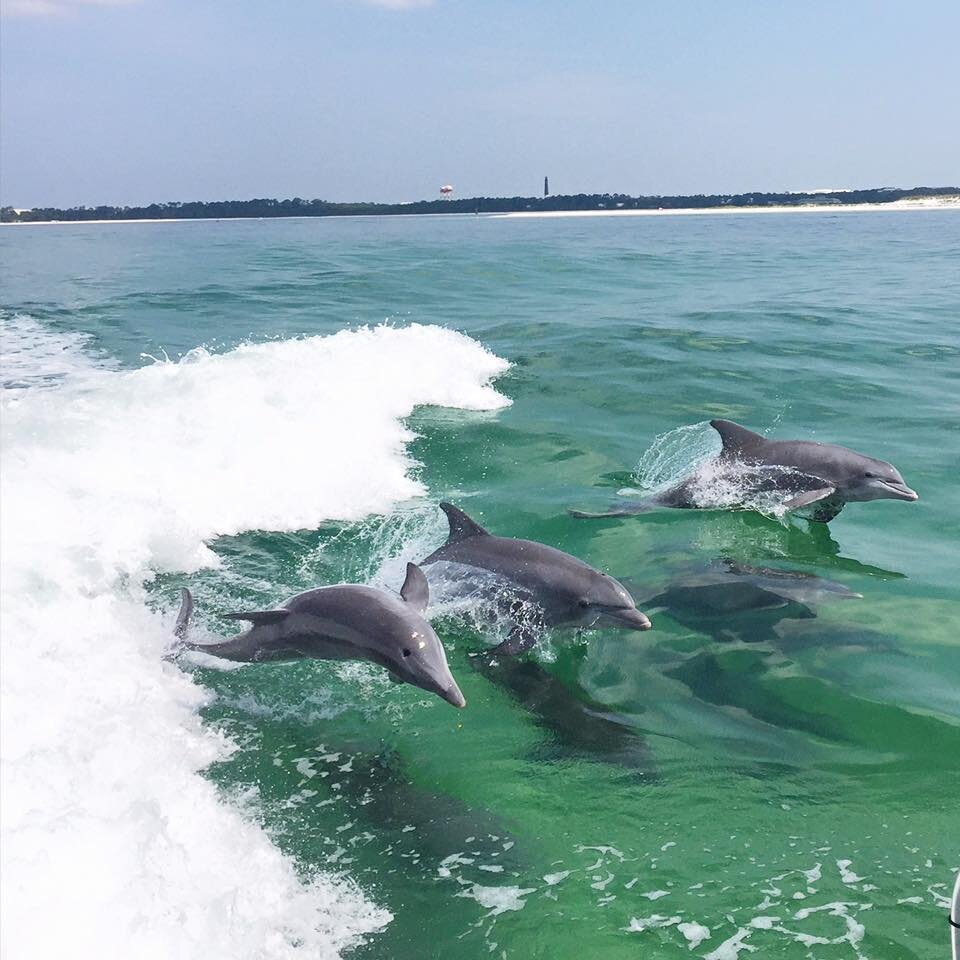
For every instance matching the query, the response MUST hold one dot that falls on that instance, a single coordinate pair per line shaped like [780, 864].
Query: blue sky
[132, 101]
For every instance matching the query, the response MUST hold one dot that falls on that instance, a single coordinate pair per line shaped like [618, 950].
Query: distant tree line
[298, 207]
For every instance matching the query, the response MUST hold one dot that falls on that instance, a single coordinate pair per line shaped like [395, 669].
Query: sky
[137, 101]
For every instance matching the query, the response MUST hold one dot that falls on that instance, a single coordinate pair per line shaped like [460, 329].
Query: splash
[110, 478]
[689, 456]
[677, 454]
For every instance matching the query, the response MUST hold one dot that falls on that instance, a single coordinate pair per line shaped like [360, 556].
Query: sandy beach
[926, 203]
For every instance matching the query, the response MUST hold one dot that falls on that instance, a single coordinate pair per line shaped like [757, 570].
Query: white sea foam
[33, 355]
[498, 899]
[695, 933]
[108, 478]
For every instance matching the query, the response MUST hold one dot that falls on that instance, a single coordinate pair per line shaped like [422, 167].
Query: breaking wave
[111, 477]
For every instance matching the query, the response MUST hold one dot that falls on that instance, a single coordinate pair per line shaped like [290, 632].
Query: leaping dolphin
[563, 589]
[344, 622]
[807, 473]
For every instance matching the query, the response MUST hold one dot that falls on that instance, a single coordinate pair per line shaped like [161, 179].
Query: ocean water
[255, 408]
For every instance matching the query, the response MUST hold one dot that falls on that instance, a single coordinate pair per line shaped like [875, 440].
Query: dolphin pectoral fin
[826, 512]
[259, 618]
[415, 589]
[521, 638]
[183, 617]
[811, 496]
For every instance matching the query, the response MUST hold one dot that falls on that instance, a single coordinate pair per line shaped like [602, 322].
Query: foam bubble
[694, 932]
[110, 477]
[498, 899]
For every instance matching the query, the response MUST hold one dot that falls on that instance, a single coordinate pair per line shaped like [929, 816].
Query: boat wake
[111, 477]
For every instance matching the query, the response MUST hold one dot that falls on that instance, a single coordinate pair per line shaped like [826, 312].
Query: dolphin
[578, 726]
[735, 601]
[824, 476]
[344, 622]
[563, 589]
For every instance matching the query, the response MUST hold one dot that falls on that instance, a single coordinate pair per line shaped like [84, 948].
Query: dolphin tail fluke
[183, 617]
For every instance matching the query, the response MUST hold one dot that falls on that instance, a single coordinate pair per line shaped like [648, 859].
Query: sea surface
[254, 408]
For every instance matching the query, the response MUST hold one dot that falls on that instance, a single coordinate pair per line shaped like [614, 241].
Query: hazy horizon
[132, 102]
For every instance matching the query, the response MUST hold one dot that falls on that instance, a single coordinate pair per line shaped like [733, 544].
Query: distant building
[546, 187]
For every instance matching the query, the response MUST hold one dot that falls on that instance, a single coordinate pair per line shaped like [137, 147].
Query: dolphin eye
[406, 651]
[583, 603]
[869, 475]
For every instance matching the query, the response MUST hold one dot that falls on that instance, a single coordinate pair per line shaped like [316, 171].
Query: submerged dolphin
[578, 726]
[563, 589]
[735, 601]
[808, 473]
[344, 622]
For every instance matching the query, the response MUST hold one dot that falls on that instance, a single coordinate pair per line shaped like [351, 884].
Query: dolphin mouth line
[900, 491]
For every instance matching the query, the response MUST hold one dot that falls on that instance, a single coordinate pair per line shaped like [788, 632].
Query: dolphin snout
[453, 696]
[900, 491]
[631, 618]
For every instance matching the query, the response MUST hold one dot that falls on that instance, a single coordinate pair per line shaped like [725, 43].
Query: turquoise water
[792, 790]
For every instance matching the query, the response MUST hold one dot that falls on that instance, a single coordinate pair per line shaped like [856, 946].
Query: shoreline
[931, 203]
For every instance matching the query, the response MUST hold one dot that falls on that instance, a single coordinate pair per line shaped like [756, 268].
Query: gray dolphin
[735, 601]
[344, 622]
[564, 589]
[808, 473]
[579, 726]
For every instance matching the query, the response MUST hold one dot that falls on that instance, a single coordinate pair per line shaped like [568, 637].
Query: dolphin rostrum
[807, 473]
[344, 622]
[563, 589]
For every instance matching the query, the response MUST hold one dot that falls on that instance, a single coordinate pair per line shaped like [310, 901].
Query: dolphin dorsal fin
[415, 589]
[737, 441]
[461, 526]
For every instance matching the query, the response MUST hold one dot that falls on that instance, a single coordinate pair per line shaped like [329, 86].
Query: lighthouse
[546, 187]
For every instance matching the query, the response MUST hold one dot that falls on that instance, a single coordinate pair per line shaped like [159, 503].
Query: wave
[111, 477]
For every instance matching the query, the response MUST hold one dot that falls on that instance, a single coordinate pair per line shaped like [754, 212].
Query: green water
[795, 795]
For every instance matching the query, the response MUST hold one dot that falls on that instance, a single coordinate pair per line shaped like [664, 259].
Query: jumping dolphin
[824, 476]
[344, 622]
[563, 589]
